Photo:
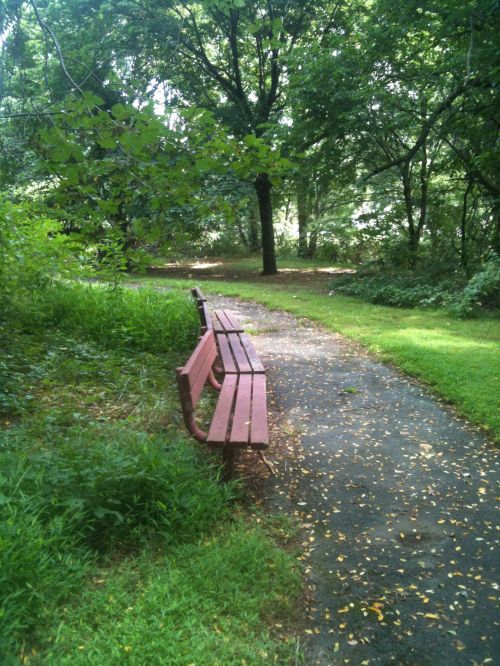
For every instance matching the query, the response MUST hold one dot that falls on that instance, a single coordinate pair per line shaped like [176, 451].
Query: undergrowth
[459, 297]
[143, 319]
[112, 521]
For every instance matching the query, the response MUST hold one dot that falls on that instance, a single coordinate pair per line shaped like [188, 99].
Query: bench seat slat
[253, 358]
[225, 322]
[239, 353]
[226, 354]
[220, 422]
[259, 436]
[241, 417]
[234, 322]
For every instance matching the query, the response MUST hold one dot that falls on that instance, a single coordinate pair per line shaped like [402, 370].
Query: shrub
[416, 290]
[405, 291]
[33, 251]
[482, 290]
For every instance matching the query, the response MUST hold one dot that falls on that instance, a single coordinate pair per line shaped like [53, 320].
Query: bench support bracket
[228, 458]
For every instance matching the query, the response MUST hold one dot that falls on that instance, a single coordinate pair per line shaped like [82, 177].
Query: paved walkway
[397, 498]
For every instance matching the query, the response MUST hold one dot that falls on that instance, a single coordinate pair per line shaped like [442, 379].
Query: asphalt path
[396, 496]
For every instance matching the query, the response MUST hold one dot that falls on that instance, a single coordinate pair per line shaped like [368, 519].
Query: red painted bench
[236, 353]
[240, 416]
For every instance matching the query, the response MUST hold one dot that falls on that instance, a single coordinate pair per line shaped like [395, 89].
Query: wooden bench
[236, 353]
[240, 416]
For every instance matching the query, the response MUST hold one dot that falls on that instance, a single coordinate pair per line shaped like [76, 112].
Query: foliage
[116, 485]
[42, 562]
[482, 290]
[462, 299]
[401, 291]
[34, 251]
[84, 490]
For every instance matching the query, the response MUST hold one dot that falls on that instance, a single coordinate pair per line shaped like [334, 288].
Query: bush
[33, 251]
[482, 290]
[416, 290]
[406, 291]
[145, 319]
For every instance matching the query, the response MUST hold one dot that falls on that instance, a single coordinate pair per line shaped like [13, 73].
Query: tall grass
[143, 319]
[211, 603]
[86, 493]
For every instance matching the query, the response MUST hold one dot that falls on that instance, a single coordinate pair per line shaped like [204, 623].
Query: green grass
[208, 603]
[115, 531]
[460, 360]
[139, 319]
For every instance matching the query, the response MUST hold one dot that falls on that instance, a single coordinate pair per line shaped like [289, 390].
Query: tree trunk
[316, 214]
[464, 259]
[253, 226]
[263, 188]
[302, 218]
[495, 241]
[241, 233]
[313, 243]
[413, 232]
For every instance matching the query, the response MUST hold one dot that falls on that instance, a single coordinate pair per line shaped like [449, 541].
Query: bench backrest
[203, 311]
[193, 376]
[197, 294]
[205, 317]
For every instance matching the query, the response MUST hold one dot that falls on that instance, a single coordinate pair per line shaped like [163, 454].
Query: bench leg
[228, 458]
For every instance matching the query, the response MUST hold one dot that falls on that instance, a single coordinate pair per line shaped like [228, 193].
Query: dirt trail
[396, 496]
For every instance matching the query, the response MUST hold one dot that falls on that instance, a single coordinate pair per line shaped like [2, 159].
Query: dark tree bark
[253, 227]
[315, 213]
[241, 233]
[313, 244]
[495, 244]
[263, 188]
[302, 218]
[464, 259]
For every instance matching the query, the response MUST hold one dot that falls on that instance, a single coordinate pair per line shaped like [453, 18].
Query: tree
[229, 56]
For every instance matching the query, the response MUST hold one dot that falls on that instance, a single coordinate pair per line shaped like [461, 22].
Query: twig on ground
[267, 463]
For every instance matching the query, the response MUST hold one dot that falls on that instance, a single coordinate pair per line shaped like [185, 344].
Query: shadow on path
[396, 497]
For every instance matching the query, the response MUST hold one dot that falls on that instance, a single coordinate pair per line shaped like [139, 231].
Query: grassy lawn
[118, 545]
[460, 360]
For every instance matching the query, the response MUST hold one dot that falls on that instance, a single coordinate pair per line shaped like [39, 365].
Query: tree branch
[427, 126]
[47, 29]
